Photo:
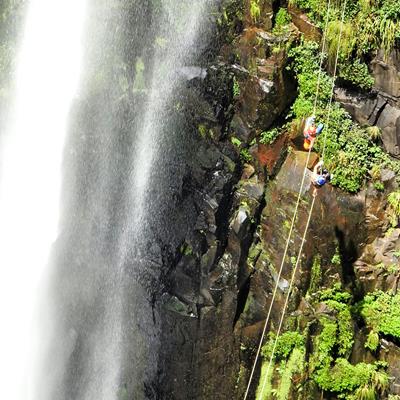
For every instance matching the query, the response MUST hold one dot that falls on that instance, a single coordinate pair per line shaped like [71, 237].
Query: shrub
[282, 17]
[270, 136]
[285, 344]
[372, 342]
[356, 73]
[255, 10]
[394, 207]
[381, 312]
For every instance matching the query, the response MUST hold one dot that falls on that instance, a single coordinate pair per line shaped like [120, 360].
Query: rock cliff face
[221, 282]
[382, 106]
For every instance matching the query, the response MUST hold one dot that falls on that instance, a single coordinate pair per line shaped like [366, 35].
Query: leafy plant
[245, 155]
[270, 136]
[282, 18]
[356, 73]
[235, 88]
[236, 142]
[394, 207]
[255, 10]
[381, 312]
[372, 342]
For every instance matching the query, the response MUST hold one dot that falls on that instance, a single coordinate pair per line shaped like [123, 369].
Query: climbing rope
[309, 216]
[334, 79]
[296, 212]
[303, 240]
[293, 219]
[322, 56]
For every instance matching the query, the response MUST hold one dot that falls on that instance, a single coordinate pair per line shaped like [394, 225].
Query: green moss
[255, 10]
[381, 312]
[348, 380]
[372, 342]
[324, 345]
[357, 74]
[235, 88]
[284, 346]
[369, 25]
[202, 130]
[295, 365]
[264, 391]
[316, 275]
[186, 250]
[289, 359]
[245, 155]
[394, 207]
[282, 17]
[268, 137]
[236, 142]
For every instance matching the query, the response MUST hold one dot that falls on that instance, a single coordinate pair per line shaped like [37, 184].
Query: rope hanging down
[294, 216]
[308, 220]
[303, 240]
[328, 118]
[296, 208]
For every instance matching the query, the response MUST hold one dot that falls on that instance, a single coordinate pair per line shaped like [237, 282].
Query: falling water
[119, 165]
[46, 79]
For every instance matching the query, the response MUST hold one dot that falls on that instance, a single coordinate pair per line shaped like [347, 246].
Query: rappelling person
[320, 176]
[311, 131]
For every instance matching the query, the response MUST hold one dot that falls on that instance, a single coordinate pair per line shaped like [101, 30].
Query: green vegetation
[282, 18]
[236, 142]
[269, 137]
[394, 207]
[369, 25]
[284, 346]
[245, 155]
[356, 73]
[316, 275]
[331, 346]
[372, 342]
[350, 151]
[289, 356]
[381, 312]
[329, 366]
[235, 88]
[294, 365]
[354, 382]
[255, 10]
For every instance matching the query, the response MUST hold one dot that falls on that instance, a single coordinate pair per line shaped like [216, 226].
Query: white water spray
[48, 69]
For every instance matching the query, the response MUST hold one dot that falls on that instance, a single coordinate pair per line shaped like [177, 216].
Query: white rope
[278, 277]
[309, 216]
[334, 80]
[288, 296]
[322, 56]
[293, 219]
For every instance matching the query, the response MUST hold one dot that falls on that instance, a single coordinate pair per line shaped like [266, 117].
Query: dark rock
[386, 71]
[375, 109]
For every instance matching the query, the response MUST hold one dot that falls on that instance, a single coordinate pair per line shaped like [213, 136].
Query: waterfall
[46, 80]
[100, 319]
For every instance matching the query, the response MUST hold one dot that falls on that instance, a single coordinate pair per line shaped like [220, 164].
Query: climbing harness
[295, 216]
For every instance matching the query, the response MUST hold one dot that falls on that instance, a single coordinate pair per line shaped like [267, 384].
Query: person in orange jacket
[311, 131]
